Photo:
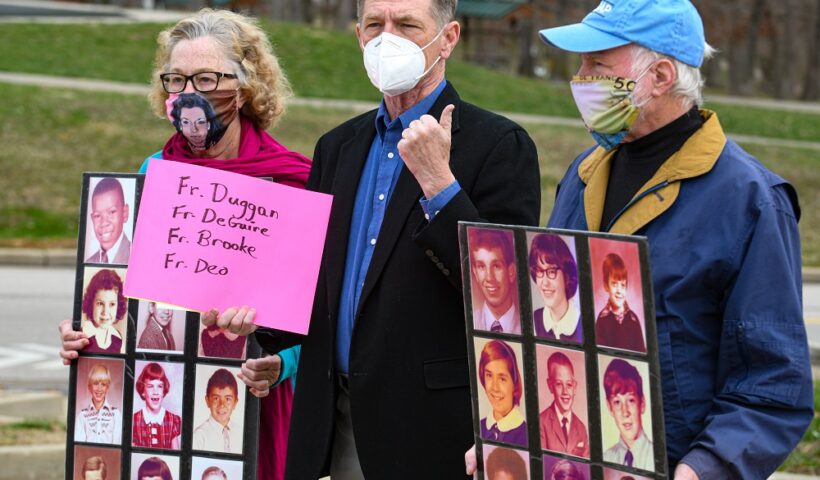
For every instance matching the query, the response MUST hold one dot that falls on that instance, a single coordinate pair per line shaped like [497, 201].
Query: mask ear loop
[638, 79]
[431, 67]
[437, 58]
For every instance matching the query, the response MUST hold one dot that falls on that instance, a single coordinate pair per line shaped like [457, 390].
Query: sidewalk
[357, 106]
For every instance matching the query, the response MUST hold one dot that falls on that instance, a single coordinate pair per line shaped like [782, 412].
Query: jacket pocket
[774, 360]
[446, 373]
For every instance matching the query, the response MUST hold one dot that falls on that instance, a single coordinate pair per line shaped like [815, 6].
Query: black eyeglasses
[202, 81]
[550, 272]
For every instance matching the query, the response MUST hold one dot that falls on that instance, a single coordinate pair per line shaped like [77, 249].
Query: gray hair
[443, 11]
[689, 83]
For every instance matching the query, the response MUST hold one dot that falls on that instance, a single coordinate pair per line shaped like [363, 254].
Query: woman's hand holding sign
[235, 320]
[72, 341]
[259, 374]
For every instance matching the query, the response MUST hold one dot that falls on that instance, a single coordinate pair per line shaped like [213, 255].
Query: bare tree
[345, 14]
[292, 10]
[811, 84]
[742, 47]
[338, 14]
[525, 38]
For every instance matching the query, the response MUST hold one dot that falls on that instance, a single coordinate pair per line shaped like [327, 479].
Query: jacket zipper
[634, 201]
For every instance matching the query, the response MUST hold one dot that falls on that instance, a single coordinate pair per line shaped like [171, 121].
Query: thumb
[277, 361]
[446, 120]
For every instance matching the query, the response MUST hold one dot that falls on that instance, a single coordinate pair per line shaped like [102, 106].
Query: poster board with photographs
[155, 394]
[562, 353]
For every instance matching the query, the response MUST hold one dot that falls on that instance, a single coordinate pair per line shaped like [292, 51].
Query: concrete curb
[32, 405]
[40, 257]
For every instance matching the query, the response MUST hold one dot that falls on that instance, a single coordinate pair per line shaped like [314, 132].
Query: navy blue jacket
[726, 271]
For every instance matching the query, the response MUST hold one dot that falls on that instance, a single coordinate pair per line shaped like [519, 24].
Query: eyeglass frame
[542, 272]
[190, 78]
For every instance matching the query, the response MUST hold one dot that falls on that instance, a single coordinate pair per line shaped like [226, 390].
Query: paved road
[34, 299]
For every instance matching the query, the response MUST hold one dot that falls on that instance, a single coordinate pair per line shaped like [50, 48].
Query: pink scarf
[260, 155]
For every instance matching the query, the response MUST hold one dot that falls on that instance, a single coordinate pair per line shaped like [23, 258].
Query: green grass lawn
[32, 432]
[51, 136]
[805, 458]
[323, 63]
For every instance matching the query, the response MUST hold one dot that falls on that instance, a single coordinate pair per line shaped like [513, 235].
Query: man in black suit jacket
[401, 404]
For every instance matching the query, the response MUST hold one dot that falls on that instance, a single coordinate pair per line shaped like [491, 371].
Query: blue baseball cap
[670, 27]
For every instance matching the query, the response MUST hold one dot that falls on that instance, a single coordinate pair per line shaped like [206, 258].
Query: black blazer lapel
[352, 157]
[404, 197]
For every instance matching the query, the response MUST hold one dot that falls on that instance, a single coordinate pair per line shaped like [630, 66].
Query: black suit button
[429, 253]
[434, 259]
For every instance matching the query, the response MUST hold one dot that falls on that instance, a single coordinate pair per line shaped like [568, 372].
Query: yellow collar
[510, 421]
[696, 157]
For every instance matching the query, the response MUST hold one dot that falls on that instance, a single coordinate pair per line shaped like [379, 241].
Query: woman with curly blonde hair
[218, 82]
[226, 59]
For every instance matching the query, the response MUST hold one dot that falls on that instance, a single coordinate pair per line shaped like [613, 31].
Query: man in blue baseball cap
[722, 229]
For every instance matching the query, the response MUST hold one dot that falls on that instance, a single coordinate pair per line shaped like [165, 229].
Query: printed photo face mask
[202, 117]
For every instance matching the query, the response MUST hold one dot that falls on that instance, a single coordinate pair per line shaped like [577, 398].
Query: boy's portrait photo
[493, 279]
[158, 388]
[502, 412]
[626, 412]
[217, 342]
[160, 328]
[556, 468]
[104, 309]
[219, 409]
[149, 466]
[554, 287]
[205, 468]
[109, 220]
[562, 400]
[612, 474]
[618, 292]
[505, 463]
[98, 416]
[96, 463]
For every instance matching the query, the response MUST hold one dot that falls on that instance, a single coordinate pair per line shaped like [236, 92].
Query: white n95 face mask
[394, 64]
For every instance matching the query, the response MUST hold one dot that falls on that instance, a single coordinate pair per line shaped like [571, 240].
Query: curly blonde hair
[263, 84]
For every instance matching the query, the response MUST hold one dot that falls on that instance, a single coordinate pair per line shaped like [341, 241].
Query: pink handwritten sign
[207, 238]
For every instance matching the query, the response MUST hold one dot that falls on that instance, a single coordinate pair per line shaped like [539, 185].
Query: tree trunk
[290, 10]
[345, 14]
[559, 64]
[525, 34]
[783, 72]
[811, 84]
[743, 48]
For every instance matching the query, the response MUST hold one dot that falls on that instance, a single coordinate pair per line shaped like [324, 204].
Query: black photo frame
[587, 348]
[186, 356]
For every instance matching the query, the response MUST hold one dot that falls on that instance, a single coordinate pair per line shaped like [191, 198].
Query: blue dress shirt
[378, 180]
